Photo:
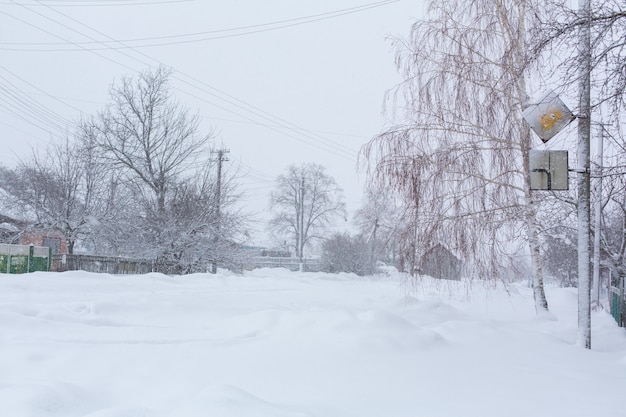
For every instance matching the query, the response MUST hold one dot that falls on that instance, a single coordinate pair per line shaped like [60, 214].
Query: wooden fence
[17, 259]
[101, 264]
[121, 265]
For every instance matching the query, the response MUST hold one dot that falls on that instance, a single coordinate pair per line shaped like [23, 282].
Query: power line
[99, 3]
[99, 103]
[243, 31]
[39, 89]
[257, 174]
[17, 129]
[298, 133]
[59, 37]
[327, 145]
[327, 132]
[22, 103]
[25, 118]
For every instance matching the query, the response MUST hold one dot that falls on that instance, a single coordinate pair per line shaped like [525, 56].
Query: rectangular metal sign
[548, 170]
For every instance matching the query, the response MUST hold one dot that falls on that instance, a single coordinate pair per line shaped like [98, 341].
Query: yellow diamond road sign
[548, 117]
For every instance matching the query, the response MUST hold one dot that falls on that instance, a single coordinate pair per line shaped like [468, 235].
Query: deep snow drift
[279, 344]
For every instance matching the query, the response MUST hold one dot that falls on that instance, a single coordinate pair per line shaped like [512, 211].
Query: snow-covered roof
[9, 227]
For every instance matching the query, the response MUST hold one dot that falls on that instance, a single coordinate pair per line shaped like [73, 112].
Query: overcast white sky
[280, 81]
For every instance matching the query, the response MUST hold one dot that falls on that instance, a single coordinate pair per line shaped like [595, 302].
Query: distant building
[439, 262]
[52, 239]
[276, 253]
[10, 229]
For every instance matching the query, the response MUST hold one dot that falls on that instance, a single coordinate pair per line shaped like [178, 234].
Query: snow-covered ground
[278, 344]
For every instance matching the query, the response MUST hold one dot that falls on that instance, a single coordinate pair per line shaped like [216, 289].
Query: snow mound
[124, 412]
[230, 401]
[386, 331]
[44, 400]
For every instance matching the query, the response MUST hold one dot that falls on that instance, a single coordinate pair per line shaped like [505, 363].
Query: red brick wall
[36, 238]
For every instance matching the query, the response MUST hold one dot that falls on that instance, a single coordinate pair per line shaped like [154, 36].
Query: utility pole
[583, 338]
[218, 204]
[373, 241]
[301, 226]
[598, 220]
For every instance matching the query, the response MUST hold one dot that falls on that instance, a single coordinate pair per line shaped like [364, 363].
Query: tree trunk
[584, 133]
[539, 295]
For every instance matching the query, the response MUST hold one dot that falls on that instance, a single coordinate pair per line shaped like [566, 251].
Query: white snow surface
[273, 343]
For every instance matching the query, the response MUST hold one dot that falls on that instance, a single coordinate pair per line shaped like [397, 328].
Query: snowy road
[281, 344]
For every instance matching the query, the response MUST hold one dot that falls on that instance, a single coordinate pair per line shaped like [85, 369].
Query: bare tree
[458, 153]
[153, 141]
[147, 133]
[557, 38]
[306, 200]
[205, 228]
[379, 220]
[613, 236]
[344, 253]
[118, 227]
[60, 190]
[559, 224]
[188, 236]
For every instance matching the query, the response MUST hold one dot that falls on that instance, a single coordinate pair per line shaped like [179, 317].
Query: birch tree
[457, 148]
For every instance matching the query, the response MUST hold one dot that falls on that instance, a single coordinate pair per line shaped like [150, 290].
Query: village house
[439, 262]
[52, 239]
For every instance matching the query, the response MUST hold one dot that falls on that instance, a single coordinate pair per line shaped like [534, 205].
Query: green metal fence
[618, 303]
[19, 259]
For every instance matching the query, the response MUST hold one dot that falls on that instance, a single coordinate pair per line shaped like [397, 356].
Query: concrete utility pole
[220, 158]
[583, 175]
[598, 221]
[301, 226]
[218, 201]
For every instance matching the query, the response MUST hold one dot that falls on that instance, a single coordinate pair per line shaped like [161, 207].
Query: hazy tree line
[136, 179]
